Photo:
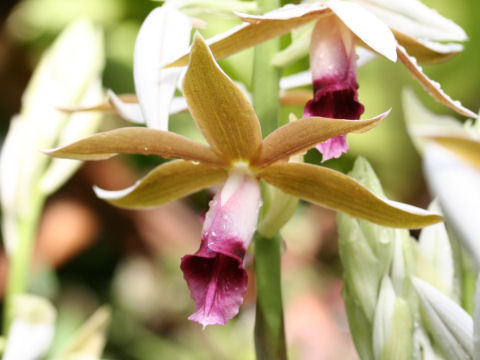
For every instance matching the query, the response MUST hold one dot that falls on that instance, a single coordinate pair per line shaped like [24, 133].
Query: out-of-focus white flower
[457, 185]
[32, 328]
[451, 157]
[164, 35]
[68, 74]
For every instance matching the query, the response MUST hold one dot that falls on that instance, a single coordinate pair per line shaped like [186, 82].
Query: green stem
[19, 265]
[266, 77]
[269, 326]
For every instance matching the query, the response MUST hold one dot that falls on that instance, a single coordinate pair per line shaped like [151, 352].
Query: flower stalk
[269, 327]
[19, 266]
[266, 78]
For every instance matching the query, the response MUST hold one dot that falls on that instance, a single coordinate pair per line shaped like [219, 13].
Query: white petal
[364, 56]
[114, 194]
[303, 78]
[32, 329]
[233, 212]
[407, 207]
[413, 18]
[457, 186]
[441, 47]
[422, 122]
[128, 111]
[79, 125]
[178, 105]
[367, 27]
[164, 36]
[452, 325]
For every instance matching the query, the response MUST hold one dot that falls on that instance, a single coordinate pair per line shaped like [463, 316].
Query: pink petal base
[333, 148]
[217, 281]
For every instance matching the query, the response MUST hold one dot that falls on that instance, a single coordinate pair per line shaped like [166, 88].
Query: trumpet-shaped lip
[215, 273]
[217, 281]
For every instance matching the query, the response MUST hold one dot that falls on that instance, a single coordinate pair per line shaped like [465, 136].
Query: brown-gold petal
[165, 183]
[430, 86]
[337, 191]
[424, 52]
[247, 35]
[467, 148]
[300, 135]
[136, 140]
[221, 110]
[106, 106]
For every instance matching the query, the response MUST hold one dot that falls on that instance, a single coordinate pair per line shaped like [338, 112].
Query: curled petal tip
[112, 194]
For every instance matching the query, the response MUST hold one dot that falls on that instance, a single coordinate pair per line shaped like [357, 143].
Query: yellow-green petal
[221, 110]
[165, 183]
[136, 140]
[300, 135]
[337, 191]
[257, 30]
[467, 148]
[105, 106]
[430, 86]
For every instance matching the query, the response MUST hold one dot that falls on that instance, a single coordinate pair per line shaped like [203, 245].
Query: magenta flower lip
[217, 281]
[333, 65]
[215, 273]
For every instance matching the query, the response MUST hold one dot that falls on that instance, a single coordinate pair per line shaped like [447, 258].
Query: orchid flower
[66, 74]
[339, 26]
[238, 158]
[451, 157]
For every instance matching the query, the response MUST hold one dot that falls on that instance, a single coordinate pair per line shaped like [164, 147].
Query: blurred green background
[90, 253]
